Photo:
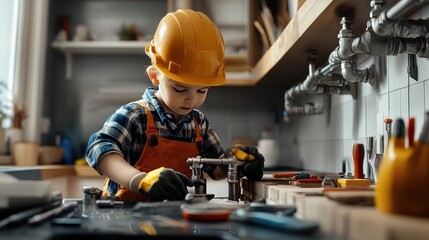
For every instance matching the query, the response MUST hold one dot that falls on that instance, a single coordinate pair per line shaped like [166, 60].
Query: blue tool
[274, 221]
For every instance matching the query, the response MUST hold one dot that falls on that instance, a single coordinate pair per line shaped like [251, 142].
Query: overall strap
[151, 129]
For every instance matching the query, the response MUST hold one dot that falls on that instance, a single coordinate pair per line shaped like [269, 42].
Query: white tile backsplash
[349, 121]
[423, 72]
[417, 105]
[404, 103]
[397, 71]
[394, 104]
[426, 98]
[371, 114]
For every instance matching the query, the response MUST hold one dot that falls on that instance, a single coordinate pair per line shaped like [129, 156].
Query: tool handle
[285, 175]
[283, 223]
[358, 156]
[411, 130]
[388, 122]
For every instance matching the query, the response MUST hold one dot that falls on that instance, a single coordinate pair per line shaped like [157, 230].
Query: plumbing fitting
[388, 23]
[200, 183]
[387, 34]
[319, 81]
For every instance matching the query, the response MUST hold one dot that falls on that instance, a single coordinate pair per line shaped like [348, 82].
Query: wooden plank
[86, 171]
[53, 171]
[314, 27]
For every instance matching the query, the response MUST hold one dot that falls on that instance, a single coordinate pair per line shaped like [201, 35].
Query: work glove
[254, 161]
[161, 184]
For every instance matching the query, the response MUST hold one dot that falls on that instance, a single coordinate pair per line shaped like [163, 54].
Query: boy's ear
[153, 76]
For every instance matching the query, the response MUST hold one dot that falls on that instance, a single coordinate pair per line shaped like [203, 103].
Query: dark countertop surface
[157, 222]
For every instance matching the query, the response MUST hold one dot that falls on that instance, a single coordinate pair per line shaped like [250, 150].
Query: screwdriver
[358, 155]
[36, 219]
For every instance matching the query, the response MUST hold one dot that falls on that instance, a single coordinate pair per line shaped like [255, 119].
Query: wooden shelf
[314, 27]
[101, 47]
[236, 63]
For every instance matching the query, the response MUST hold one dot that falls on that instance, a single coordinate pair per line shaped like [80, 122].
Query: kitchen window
[8, 26]
[22, 51]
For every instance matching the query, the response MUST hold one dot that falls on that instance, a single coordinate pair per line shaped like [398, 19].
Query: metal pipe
[378, 6]
[372, 44]
[352, 74]
[402, 7]
[386, 35]
[389, 23]
[233, 178]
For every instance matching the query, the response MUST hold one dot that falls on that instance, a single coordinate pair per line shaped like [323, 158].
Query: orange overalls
[160, 152]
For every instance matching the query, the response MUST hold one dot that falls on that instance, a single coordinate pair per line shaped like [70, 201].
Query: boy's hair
[161, 76]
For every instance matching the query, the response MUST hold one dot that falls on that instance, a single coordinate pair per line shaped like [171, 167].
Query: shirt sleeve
[116, 135]
[211, 145]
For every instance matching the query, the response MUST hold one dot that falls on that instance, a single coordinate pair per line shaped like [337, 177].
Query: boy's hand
[254, 161]
[164, 184]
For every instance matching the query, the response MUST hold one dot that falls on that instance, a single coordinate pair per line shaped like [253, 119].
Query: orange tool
[358, 155]
[388, 122]
[285, 175]
[205, 212]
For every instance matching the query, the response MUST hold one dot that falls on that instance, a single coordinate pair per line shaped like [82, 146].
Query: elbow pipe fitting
[387, 23]
[378, 6]
[352, 74]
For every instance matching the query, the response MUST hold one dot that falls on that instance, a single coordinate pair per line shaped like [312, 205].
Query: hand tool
[283, 210]
[388, 122]
[108, 203]
[283, 223]
[308, 182]
[39, 218]
[330, 182]
[358, 156]
[285, 175]
[20, 217]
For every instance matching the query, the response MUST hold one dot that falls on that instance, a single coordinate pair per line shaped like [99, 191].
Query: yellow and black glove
[254, 161]
[161, 184]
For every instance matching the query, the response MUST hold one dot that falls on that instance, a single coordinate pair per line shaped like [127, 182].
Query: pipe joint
[352, 74]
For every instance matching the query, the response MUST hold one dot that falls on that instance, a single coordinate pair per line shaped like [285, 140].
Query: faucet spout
[200, 183]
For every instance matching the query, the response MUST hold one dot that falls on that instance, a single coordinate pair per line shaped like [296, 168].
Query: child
[143, 147]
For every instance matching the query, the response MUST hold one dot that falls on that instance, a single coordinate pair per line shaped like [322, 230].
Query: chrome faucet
[200, 182]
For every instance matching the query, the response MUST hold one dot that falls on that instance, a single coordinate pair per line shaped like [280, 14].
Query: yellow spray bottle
[403, 186]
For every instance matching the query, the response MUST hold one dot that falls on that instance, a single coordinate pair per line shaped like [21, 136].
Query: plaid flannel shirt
[124, 132]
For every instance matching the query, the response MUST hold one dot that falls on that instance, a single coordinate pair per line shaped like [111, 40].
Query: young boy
[143, 147]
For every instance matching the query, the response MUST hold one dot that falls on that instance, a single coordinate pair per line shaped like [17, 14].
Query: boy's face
[179, 99]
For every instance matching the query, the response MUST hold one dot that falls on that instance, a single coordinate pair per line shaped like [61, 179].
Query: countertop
[45, 172]
[358, 220]
[152, 222]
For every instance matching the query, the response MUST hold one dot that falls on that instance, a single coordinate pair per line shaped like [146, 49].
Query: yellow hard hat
[188, 48]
